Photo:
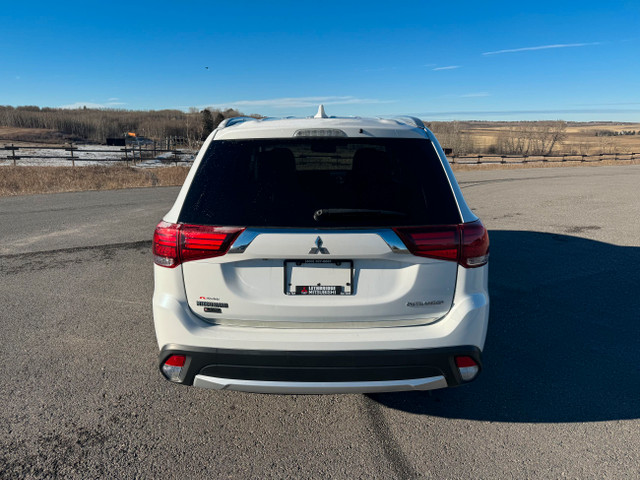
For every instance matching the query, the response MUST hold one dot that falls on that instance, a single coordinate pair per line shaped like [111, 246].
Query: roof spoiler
[413, 121]
[228, 122]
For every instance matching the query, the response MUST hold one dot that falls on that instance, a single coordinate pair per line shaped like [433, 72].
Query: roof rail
[414, 121]
[228, 122]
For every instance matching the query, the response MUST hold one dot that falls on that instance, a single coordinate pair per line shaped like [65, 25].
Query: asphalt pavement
[559, 396]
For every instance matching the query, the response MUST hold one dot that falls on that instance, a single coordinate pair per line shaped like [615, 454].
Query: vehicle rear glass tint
[283, 182]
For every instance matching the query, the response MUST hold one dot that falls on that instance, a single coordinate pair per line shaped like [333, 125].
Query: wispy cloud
[552, 113]
[542, 47]
[300, 102]
[449, 67]
[475, 95]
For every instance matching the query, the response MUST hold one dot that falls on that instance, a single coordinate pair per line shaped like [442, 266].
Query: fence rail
[139, 153]
[73, 153]
[557, 158]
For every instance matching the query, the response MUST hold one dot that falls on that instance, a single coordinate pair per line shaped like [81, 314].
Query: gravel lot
[559, 397]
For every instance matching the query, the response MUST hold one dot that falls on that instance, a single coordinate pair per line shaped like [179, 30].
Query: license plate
[318, 277]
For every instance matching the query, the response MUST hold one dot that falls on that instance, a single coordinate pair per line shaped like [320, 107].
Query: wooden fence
[130, 155]
[556, 158]
[137, 153]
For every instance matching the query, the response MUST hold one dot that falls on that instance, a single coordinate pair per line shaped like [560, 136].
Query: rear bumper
[267, 371]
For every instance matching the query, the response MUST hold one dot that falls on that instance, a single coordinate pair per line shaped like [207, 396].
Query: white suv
[320, 255]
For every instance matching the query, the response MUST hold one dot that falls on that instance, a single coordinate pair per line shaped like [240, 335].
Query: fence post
[73, 162]
[13, 153]
[478, 160]
[502, 159]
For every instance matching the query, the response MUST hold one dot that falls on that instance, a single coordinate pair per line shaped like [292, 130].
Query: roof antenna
[321, 113]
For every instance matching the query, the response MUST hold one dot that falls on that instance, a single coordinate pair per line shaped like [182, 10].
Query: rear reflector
[175, 361]
[172, 367]
[467, 367]
[467, 243]
[174, 244]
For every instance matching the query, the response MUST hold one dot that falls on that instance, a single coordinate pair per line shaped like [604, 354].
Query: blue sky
[439, 60]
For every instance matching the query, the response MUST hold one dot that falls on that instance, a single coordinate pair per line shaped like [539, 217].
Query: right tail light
[467, 243]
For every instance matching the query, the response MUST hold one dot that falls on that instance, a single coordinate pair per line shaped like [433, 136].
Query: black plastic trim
[321, 366]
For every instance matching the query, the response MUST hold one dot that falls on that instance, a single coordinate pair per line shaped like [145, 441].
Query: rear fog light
[467, 367]
[172, 367]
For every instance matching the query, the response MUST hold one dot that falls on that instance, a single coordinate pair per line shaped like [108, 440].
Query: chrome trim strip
[393, 241]
[260, 386]
[387, 234]
[243, 241]
[417, 322]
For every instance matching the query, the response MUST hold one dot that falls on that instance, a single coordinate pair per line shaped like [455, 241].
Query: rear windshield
[286, 182]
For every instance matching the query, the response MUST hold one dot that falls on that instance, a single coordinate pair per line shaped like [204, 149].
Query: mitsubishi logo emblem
[319, 248]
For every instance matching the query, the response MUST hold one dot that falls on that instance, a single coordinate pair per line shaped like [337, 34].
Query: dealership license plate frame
[318, 277]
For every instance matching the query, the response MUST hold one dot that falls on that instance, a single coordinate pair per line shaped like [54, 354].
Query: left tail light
[174, 244]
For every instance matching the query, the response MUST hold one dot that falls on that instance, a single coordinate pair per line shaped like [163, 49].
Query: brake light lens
[200, 241]
[474, 250]
[467, 243]
[174, 244]
[433, 242]
[165, 245]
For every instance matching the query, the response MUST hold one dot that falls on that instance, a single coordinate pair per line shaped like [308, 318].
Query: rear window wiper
[350, 213]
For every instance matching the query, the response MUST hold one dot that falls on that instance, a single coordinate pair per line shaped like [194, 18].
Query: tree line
[96, 125]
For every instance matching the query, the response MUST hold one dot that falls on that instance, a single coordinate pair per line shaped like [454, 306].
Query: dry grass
[580, 139]
[28, 180]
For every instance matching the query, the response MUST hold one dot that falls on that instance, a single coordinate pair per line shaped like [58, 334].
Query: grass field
[580, 137]
[29, 180]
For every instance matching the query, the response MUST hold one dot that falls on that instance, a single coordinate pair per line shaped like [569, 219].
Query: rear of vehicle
[318, 260]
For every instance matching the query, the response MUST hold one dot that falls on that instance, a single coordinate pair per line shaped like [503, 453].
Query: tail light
[467, 243]
[467, 367]
[172, 367]
[175, 244]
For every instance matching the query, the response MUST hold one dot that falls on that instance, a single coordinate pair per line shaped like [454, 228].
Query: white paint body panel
[252, 283]
[464, 324]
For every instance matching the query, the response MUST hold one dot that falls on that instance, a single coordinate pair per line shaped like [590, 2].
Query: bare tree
[531, 138]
